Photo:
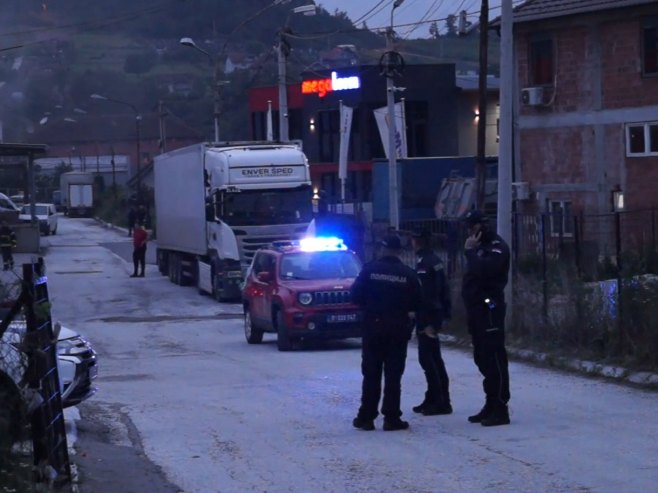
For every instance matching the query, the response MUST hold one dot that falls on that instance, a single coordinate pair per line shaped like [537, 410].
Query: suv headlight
[71, 347]
[305, 298]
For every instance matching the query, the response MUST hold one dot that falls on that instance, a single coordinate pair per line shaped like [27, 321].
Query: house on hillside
[586, 118]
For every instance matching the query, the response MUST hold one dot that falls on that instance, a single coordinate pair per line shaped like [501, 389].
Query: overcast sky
[411, 11]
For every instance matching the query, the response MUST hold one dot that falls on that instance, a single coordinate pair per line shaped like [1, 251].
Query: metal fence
[40, 376]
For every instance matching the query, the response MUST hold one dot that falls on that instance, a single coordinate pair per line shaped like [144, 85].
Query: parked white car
[76, 364]
[46, 215]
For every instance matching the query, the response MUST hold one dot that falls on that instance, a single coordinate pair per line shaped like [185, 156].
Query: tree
[451, 26]
[434, 30]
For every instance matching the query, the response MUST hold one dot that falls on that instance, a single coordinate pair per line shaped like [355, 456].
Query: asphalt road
[185, 400]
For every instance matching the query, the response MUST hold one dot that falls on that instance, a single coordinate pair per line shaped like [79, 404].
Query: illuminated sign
[322, 86]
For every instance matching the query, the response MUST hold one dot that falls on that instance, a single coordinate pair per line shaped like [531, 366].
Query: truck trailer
[216, 204]
[77, 189]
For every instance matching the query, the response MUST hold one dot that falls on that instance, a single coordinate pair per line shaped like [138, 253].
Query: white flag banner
[381, 117]
[270, 133]
[345, 130]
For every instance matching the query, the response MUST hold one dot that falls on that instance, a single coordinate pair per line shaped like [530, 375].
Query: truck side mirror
[210, 212]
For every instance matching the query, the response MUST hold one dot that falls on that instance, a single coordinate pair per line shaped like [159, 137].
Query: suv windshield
[319, 265]
[254, 207]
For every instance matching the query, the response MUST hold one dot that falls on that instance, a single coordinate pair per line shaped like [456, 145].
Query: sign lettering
[266, 172]
[323, 86]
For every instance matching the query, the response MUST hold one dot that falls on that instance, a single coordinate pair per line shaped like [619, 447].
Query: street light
[138, 119]
[189, 42]
[394, 208]
[283, 50]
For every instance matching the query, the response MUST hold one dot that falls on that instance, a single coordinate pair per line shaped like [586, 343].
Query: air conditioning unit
[532, 96]
[520, 190]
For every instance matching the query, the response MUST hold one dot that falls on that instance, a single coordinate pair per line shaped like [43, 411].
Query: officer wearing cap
[483, 284]
[435, 309]
[388, 292]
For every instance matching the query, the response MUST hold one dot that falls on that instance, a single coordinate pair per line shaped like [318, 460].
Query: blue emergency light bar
[321, 244]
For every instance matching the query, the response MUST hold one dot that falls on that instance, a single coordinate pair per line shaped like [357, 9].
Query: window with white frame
[642, 139]
[560, 218]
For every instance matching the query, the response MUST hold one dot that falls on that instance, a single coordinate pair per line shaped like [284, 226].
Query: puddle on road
[169, 318]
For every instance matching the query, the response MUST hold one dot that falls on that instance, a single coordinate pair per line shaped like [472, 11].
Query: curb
[644, 379]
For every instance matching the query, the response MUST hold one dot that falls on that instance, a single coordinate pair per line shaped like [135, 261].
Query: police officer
[485, 278]
[7, 244]
[436, 309]
[387, 291]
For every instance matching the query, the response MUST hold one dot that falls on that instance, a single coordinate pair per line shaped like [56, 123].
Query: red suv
[301, 289]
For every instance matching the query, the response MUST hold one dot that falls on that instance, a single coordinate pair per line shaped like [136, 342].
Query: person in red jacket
[140, 237]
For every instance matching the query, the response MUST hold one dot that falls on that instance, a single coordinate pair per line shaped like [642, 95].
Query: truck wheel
[253, 334]
[11, 423]
[283, 342]
[173, 268]
[162, 262]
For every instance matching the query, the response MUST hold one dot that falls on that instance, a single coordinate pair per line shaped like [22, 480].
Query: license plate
[338, 318]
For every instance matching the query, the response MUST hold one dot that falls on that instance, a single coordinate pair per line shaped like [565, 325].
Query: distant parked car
[18, 199]
[76, 365]
[46, 215]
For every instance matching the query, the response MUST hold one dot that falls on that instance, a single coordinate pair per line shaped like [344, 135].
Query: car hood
[320, 284]
[66, 333]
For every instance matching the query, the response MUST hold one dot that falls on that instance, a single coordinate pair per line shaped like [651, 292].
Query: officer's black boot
[363, 424]
[499, 416]
[395, 424]
[486, 410]
[420, 407]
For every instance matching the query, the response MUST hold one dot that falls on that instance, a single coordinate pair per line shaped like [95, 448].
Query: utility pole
[481, 160]
[393, 197]
[283, 50]
[506, 150]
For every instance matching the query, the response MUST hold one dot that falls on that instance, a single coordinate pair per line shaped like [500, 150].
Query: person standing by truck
[140, 238]
[7, 245]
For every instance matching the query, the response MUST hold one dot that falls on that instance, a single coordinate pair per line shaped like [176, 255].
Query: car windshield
[319, 265]
[39, 210]
[255, 207]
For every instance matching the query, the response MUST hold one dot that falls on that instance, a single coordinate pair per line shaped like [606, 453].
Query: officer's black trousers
[139, 259]
[429, 357]
[488, 335]
[382, 352]
[7, 258]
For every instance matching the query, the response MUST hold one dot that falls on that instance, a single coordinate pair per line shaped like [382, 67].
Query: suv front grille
[331, 297]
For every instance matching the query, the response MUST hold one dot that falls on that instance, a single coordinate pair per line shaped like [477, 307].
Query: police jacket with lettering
[7, 237]
[436, 304]
[387, 290]
[487, 268]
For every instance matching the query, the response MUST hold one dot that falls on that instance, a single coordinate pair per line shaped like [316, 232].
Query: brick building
[586, 123]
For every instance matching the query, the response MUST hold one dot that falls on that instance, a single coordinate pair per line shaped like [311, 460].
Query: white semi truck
[216, 205]
[77, 189]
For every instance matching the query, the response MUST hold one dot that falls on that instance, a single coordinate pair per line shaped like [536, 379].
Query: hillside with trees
[54, 54]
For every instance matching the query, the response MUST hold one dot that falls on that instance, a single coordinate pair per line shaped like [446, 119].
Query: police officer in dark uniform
[436, 309]
[387, 291]
[484, 281]
[7, 244]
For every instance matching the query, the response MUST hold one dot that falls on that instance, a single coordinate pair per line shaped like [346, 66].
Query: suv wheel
[283, 341]
[253, 334]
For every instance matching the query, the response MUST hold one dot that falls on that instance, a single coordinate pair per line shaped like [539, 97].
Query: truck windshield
[256, 207]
